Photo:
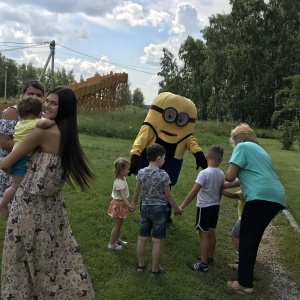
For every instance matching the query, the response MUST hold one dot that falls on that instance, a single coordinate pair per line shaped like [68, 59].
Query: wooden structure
[101, 92]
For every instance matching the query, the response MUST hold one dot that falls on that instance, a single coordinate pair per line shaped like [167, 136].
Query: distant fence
[101, 92]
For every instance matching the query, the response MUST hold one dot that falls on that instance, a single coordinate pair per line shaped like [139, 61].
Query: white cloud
[186, 22]
[86, 68]
[91, 8]
[135, 15]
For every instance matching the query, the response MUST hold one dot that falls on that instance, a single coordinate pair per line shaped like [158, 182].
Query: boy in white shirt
[208, 189]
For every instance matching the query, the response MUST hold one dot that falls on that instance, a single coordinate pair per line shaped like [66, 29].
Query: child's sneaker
[122, 243]
[114, 247]
[198, 267]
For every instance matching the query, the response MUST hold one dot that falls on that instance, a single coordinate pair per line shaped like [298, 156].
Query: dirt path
[282, 288]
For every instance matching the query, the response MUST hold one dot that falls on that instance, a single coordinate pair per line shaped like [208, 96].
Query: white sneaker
[122, 243]
[114, 247]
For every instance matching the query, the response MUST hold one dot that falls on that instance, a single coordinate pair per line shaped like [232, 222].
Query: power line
[19, 48]
[23, 43]
[31, 45]
[97, 59]
[112, 63]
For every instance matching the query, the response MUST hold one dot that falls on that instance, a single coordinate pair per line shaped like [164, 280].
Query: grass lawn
[113, 274]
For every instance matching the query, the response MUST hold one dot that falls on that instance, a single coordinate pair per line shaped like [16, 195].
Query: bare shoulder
[51, 140]
[10, 114]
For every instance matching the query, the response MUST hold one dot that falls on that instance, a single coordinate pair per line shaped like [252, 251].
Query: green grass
[123, 123]
[113, 274]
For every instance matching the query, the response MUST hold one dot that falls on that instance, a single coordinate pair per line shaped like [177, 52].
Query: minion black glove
[200, 160]
[134, 162]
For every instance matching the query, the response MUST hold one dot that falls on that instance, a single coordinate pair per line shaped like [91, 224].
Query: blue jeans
[153, 218]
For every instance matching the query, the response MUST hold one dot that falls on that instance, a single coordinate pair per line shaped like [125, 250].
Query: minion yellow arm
[145, 137]
[192, 145]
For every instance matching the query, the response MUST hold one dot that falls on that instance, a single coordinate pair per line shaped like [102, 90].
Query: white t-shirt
[119, 184]
[211, 179]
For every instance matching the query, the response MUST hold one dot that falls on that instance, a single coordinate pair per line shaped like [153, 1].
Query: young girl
[119, 205]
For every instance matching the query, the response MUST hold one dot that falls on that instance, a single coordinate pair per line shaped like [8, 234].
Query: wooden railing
[101, 92]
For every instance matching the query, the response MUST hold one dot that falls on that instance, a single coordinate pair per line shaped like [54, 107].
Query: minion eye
[169, 115]
[182, 119]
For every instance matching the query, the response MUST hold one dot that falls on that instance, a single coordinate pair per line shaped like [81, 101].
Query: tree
[193, 54]
[128, 95]
[171, 81]
[288, 102]
[62, 78]
[249, 52]
[137, 98]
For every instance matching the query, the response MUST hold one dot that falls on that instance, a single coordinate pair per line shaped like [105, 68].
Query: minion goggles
[170, 115]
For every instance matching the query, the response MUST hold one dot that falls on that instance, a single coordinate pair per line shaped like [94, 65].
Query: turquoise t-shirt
[257, 176]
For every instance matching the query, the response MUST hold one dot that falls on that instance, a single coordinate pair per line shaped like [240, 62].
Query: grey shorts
[153, 221]
[236, 229]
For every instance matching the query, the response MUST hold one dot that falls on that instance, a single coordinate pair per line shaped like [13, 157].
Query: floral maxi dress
[41, 259]
[6, 128]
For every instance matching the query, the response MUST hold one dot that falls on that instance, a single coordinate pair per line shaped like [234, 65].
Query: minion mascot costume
[170, 123]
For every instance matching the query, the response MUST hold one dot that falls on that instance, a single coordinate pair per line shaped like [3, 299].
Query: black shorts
[207, 218]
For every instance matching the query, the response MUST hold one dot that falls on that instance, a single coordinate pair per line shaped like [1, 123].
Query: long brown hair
[75, 164]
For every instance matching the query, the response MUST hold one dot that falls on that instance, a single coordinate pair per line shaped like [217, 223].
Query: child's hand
[178, 212]
[132, 207]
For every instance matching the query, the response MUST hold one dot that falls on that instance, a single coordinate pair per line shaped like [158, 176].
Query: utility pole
[52, 53]
[5, 82]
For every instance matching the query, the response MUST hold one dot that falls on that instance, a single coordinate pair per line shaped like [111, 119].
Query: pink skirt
[117, 209]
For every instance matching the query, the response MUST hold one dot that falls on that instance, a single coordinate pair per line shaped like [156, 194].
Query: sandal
[159, 271]
[139, 268]
[235, 286]
[233, 266]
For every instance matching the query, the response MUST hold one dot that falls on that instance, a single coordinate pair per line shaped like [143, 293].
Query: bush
[289, 133]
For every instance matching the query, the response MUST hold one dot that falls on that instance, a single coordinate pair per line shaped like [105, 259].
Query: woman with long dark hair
[41, 259]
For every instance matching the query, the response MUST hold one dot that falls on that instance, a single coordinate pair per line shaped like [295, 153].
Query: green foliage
[288, 101]
[193, 53]
[245, 58]
[171, 80]
[137, 98]
[289, 133]
[128, 95]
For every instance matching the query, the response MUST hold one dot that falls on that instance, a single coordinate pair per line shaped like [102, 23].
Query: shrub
[289, 132]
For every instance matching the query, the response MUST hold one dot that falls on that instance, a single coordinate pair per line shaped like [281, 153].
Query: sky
[103, 35]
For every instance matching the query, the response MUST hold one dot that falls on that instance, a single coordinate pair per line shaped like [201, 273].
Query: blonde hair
[120, 164]
[242, 133]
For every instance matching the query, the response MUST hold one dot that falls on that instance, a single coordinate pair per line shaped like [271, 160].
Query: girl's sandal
[139, 268]
[159, 271]
[235, 286]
